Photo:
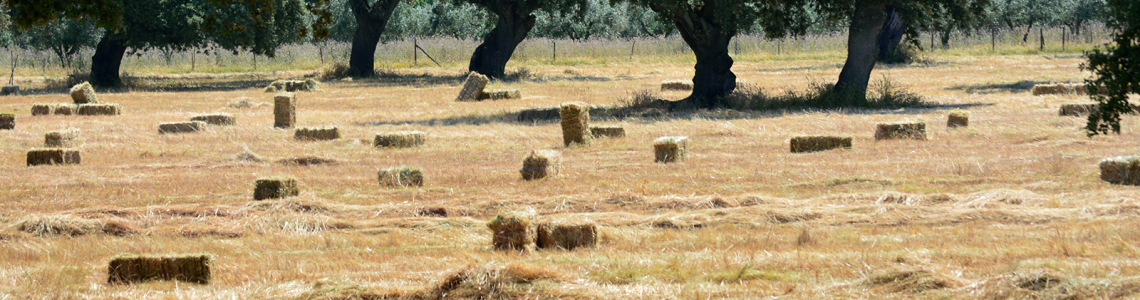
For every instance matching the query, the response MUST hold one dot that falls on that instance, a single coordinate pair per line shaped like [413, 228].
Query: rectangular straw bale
[9, 90]
[66, 138]
[109, 109]
[275, 187]
[958, 118]
[901, 130]
[181, 127]
[678, 85]
[472, 87]
[399, 139]
[540, 164]
[316, 133]
[1121, 170]
[402, 176]
[575, 123]
[66, 109]
[131, 269]
[539, 114]
[53, 156]
[83, 93]
[7, 121]
[511, 231]
[41, 109]
[221, 119]
[813, 143]
[286, 85]
[1076, 110]
[284, 110]
[670, 149]
[1052, 89]
[607, 131]
[566, 236]
[500, 94]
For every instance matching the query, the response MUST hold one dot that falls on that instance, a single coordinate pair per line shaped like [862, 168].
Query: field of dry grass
[1010, 207]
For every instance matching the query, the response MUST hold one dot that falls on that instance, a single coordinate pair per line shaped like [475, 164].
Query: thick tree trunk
[865, 25]
[491, 57]
[890, 36]
[370, 23]
[708, 39]
[944, 37]
[105, 63]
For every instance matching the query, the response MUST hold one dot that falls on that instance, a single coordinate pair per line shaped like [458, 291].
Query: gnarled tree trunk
[890, 36]
[709, 40]
[106, 61]
[491, 57]
[370, 23]
[865, 25]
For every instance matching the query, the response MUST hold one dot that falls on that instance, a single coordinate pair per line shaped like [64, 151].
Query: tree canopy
[1116, 71]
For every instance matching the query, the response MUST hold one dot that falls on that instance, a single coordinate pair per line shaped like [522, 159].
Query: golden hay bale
[1121, 170]
[958, 118]
[275, 187]
[66, 138]
[83, 93]
[65, 109]
[813, 143]
[566, 236]
[284, 110]
[472, 87]
[1052, 89]
[511, 230]
[222, 119]
[109, 109]
[538, 114]
[181, 127]
[124, 269]
[607, 131]
[7, 121]
[575, 123]
[670, 149]
[53, 156]
[9, 90]
[901, 130]
[316, 133]
[41, 109]
[1076, 110]
[402, 176]
[500, 94]
[399, 139]
[540, 164]
[283, 85]
[679, 85]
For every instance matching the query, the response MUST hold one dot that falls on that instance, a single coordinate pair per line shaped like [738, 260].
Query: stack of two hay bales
[513, 231]
[473, 90]
[84, 95]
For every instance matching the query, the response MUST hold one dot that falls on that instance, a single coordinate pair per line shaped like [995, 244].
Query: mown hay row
[53, 156]
[181, 127]
[7, 121]
[511, 231]
[284, 110]
[316, 133]
[1121, 170]
[575, 123]
[958, 118]
[813, 143]
[566, 236]
[1053, 89]
[677, 85]
[402, 176]
[66, 109]
[83, 93]
[472, 87]
[670, 149]
[67, 138]
[500, 94]
[41, 109]
[221, 119]
[607, 131]
[900, 130]
[275, 187]
[1076, 110]
[541, 164]
[132, 269]
[109, 109]
[399, 139]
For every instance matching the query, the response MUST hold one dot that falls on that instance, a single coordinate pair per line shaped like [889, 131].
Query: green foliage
[64, 38]
[1116, 71]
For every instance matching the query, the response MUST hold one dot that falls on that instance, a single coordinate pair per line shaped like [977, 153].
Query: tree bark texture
[865, 25]
[370, 23]
[709, 40]
[890, 35]
[105, 63]
[491, 57]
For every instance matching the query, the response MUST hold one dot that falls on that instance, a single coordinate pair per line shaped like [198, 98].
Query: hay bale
[539, 114]
[275, 187]
[109, 109]
[312, 85]
[500, 94]
[399, 139]
[1054, 89]
[221, 119]
[83, 93]
[1121, 170]
[316, 133]
[813, 143]
[901, 130]
[575, 123]
[284, 110]
[7, 121]
[607, 131]
[10, 90]
[670, 149]
[1076, 110]
[131, 269]
[677, 85]
[270, 89]
[66, 138]
[472, 87]
[511, 231]
[958, 118]
[540, 164]
[566, 236]
[181, 127]
[402, 176]
[41, 109]
[283, 85]
[65, 109]
[53, 156]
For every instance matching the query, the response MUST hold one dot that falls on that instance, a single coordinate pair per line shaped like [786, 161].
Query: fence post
[415, 55]
[554, 54]
[631, 47]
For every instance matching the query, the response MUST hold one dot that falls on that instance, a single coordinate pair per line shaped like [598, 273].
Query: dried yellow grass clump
[958, 118]
[109, 109]
[1076, 110]
[222, 119]
[900, 130]
[1052, 89]
[316, 133]
[670, 149]
[607, 131]
[678, 85]
[275, 187]
[566, 236]
[83, 93]
[575, 123]
[511, 230]
[66, 138]
[1121, 170]
[910, 281]
[399, 139]
[53, 156]
[41, 109]
[813, 143]
[284, 110]
[402, 176]
[126, 269]
[7, 121]
[472, 87]
[500, 94]
[181, 127]
[66, 109]
[540, 164]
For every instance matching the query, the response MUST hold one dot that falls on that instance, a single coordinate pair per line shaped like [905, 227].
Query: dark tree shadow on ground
[1016, 87]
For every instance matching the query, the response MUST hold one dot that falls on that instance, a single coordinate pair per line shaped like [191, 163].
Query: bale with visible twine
[670, 149]
[399, 139]
[221, 119]
[472, 87]
[958, 118]
[1121, 170]
[275, 187]
[566, 236]
[7, 121]
[511, 231]
[402, 176]
[181, 127]
[1052, 89]
[575, 123]
[131, 269]
[539, 114]
[316, 133]
[607, 131]
[540, 164]
[83, 93]
[109, 109]
[1076, 110]
[65, 109]
[66, 138]
[10, 90]
[500, 94]
[284, 110]
[41, 109]
[900, 130]
[677, 85]
[814, 143]
[53, 156]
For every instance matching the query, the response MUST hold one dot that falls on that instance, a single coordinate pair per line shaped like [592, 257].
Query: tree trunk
[705, 35]
[370, 23]
[890, 35]
[105, 63]
[865, 25]
[491, 57]
[1041, 31]
[944, 37]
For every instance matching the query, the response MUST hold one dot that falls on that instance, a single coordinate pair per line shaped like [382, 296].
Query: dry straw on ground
[908, 281]
[181, 127]
[813, 143]
[575, 123]
[399, 139]
[53, 156]
[541, 164]
[500, 94]
[7, 121]
[511, 230]
[222, 119]
[66, 138]
[1053, 89]
[83, 93]
[402, 176]
[901, 130]
[316, 133]
[1076, 110]
[566, 236]
[127, 269]
[472, 87]
[1121, 170]
[958, 118]
[677, 85]
[41, 109]
[66, 109]
[607, 131]
[284, 110]
[109, 109]
[275, 187]
[307, 161]
[670, 149]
